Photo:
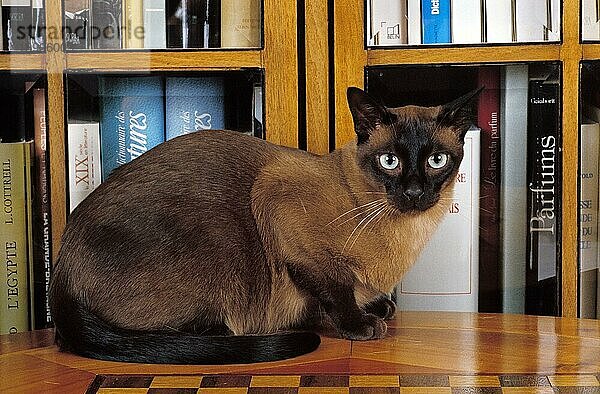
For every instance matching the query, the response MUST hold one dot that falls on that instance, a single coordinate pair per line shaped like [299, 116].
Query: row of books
[25, 225]
[23, 25]
[156, 24]
[416, 22]
[136, 113]
[498, 249]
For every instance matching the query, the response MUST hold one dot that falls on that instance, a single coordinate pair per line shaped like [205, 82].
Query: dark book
[41, 230]
[193, 23]
[77, 24]
[544, 174]
[37, 30]
[106, 24]
[488, 119]
[16, 23]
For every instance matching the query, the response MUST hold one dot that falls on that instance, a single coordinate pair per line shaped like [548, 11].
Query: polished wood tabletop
[436, 343]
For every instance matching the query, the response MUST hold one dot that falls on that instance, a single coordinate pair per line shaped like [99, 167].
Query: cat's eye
[438, 160]
[389, 161]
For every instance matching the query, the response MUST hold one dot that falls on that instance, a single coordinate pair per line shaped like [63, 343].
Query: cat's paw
[368, 327]
[382, 307]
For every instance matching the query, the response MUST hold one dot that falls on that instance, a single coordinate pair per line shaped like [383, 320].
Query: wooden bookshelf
[23, 61]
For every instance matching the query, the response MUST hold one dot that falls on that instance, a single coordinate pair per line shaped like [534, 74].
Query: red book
[488, 119]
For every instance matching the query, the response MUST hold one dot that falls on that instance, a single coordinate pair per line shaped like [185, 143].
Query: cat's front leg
[334, 290]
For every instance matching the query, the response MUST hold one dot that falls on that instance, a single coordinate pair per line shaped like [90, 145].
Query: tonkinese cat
[215, 247]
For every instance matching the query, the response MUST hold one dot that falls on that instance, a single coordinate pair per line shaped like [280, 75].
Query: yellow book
[133, 20]
[15, 236]
[240, 23]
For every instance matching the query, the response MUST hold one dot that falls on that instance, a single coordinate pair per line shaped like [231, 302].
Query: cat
[217, 248]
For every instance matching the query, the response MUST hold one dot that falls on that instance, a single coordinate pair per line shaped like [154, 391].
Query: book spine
[16, 20]
[83, 140]
[193, 23]
[499, 21]
[414, 22]
[132, 118]
[194, 104]
[543, 199]
[588, 218]
[388, 22]
[257, 111]
[466, 21]
[488, 119]
[14, 314]
[42, 247]
[531, 20]
[155, 24]
[454, 286]
[106, 24]
[77, 34]
[240, 23]
[513, 186]
[435, 16]
[133, 21]
[38, 25]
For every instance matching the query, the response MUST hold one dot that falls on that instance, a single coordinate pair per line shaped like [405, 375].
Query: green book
[15, 236]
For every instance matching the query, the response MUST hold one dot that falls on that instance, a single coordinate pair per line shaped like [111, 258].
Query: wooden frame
[351, 58]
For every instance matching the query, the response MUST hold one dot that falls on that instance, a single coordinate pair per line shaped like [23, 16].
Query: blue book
[435, 15]
[194, 104]
[132, 118]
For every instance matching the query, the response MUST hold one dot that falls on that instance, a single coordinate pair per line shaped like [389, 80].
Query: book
[435, 18]
[77, 24]
[37, 29]
[41, 229]
[590, 20]
[193, 23]
[414, 22]
[531, 20]
[106, 24]
[542, 293]
[155, 24]
[498, 21]
[514, 85]
[16, 21]
[85, 166]
[133, 32]
[240, 23]
[488, 120]
[15, 237]
[387, 22]
[589, 133]
[193, 104]
[132, 118]
[466, 21]
[445, 277]
[257, 111]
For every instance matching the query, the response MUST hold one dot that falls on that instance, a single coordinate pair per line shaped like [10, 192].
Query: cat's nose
[413, 191]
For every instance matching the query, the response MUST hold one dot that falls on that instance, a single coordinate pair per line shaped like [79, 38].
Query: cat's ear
[367, 113]
[460, 114]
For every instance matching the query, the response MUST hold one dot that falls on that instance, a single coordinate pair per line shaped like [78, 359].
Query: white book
[556, 17]
[589, 133]
[387, 22]
[414, 22]
[83, 160]
[498, 21]
[466, 21]
[155, 24]
[590, 20]
[240, 23]
[445, 276]
[531, 20]
[513, 186]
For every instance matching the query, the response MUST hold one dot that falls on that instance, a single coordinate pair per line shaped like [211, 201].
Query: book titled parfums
[193, 23]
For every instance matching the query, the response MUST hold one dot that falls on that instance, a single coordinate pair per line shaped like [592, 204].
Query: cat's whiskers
[368, 210]
[354, 209]
[368, 218]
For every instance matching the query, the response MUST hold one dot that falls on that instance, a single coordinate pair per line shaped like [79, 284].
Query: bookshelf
[351, 58]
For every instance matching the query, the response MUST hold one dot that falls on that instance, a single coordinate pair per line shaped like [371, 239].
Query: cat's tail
[81, 332]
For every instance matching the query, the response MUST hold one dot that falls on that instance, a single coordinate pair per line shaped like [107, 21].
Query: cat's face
[413, 152]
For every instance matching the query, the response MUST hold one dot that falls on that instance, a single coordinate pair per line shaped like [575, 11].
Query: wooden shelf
[168, 60]
[22, 61]
[458, 55]
[590, 51]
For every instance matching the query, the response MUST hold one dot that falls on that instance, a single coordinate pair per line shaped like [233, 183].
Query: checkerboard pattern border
[345, 384]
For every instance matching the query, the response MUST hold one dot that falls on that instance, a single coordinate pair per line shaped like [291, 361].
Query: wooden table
[454, 346]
